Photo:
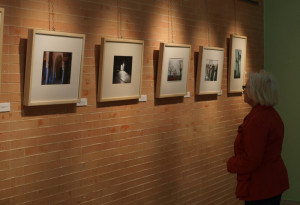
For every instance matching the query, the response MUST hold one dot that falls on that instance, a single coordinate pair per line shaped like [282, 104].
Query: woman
[261, 173]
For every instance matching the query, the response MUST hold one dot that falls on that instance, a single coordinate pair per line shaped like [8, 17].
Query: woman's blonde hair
[262, 89]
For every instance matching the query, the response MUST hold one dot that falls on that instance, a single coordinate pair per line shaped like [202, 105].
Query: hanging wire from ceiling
[208, 23]
[171, 18]
[51, 14]
[235, 26]
[120, 18]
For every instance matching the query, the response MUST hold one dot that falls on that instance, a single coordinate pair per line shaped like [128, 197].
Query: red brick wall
[170, 151]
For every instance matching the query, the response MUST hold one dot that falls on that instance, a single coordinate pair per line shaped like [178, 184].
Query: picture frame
[54, 63]
[1, 38]
[210, 70]
[173, 68]
[121, 66]
[237, 63]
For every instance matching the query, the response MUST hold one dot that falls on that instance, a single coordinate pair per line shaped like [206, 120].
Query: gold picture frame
[54, 63]
[210, 70]
[237, 63]
[1, 38]
[121, 66]
[173, 68]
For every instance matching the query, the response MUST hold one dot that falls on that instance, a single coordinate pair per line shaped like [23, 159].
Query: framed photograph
[237, 63]
[1, 37]
[210, 70]
[172, 73]
[121, 64]
[54, 64]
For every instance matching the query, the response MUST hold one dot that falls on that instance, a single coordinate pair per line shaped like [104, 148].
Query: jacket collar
[256, 109]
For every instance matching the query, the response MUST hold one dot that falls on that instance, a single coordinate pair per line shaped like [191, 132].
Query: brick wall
[168, 151]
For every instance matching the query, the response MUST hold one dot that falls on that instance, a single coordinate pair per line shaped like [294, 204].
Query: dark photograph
[56, 68]
[211, 70]
[237, 68]
[175, 69]
[122, 69]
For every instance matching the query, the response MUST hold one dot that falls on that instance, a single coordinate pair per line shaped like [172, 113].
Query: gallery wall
[162, 151]
[282, 44]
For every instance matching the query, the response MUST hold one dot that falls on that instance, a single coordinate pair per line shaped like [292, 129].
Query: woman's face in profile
[246, 97]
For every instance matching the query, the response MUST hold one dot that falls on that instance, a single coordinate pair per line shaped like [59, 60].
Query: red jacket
[261, 172]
